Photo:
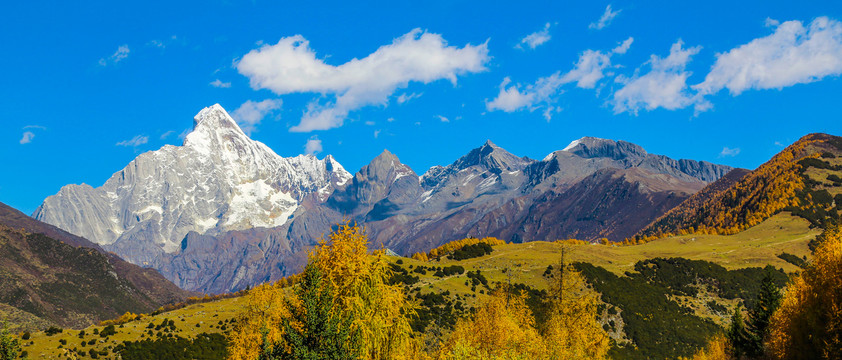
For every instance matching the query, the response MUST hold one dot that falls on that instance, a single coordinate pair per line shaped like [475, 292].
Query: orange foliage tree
[808, 325]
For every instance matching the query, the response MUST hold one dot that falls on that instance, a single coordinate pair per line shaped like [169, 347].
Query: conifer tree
[313, 331]
[737, 334]
[9, 346]
[768, 300]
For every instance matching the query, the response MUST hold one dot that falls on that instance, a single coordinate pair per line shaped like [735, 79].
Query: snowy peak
[219, 180]
[212, 127]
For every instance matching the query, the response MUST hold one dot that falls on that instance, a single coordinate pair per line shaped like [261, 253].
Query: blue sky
[88, 88]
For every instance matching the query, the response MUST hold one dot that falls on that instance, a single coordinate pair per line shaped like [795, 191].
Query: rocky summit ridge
[223, 212]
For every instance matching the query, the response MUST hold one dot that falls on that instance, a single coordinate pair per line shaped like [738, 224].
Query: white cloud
[250, 113]
[605, 19]
[793, 54]
[121, 53]
[442, 118]
[27, 137]
[390, 119]
[313, 146]
[587, 71]
[135, 141]
[39, 127]
[402, 98]
[162, 43]
[219, 84]
[369, 123]
[726, 151]
[376, 133]
[167, 134]
[771, 22]
[624, 46]
[290, 66]
[535, 39]
[665, 85]
[512, 98]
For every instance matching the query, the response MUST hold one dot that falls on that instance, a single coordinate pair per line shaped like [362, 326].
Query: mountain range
[223, 212]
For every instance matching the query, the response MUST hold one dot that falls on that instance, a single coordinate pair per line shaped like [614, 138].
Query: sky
[87, 88]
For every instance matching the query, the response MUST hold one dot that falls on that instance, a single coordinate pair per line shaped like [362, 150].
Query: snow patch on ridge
[572, 145]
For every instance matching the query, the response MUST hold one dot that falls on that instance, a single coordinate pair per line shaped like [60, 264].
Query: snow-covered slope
[218, 180]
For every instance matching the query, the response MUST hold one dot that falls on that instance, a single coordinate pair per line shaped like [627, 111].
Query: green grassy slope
[520, 264]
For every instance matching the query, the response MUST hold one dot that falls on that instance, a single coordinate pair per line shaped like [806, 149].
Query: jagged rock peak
[592, 147]
[491, 156]
[385, 162]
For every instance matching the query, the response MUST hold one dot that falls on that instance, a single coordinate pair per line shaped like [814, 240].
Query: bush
[107, 331]
[472, 251]
[52, 330]
[26, 335]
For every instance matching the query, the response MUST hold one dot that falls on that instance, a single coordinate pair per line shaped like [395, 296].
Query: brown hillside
[69, 281]
[799, 178]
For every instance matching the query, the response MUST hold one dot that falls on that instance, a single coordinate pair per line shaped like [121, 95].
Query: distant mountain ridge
[223, 212]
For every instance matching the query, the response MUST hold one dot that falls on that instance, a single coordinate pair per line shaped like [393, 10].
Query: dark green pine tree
[737, 334]
[768, 300]
[322, 334]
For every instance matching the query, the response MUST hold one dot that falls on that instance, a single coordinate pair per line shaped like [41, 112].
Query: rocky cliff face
[223, 212]
[219, 180]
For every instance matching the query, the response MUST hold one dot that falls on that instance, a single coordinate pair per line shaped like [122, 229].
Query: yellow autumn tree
[572, 330]
[358, 279]
[259, 322]
[808, 324]
[502, 328]
[717, 349]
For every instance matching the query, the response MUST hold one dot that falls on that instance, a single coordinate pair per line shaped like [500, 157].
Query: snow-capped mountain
[218, 180]
[223, 212]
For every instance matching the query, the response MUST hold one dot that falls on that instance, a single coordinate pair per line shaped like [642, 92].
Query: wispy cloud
[167, 134]
[135, 141]
[27, 137]
[219, 84]
[605, 19]
[535, 39]
[313, 145]
[162, 43]
[726, 151]
[251, 113]
[119, 55]
[442, 118]
[586, 73]
[402, 98]
[290, 66]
